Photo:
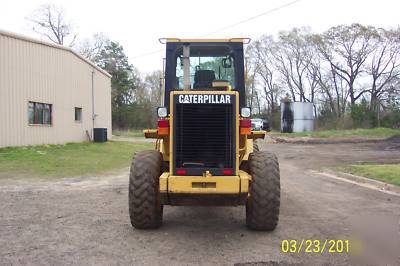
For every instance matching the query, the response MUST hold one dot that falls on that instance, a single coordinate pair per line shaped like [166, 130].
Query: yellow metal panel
[171, 135]
[244, 181]
[249, 149]
[163, 184]
[164, 149]
[237, 152]
[150, 133]
[204, 185]
[257, 134]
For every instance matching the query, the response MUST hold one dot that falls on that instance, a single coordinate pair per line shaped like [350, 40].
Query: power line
[254, 17]
[230, 26]
[147, 54]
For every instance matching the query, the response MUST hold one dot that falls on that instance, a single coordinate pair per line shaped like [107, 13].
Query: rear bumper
[179, 199]
[199, 190]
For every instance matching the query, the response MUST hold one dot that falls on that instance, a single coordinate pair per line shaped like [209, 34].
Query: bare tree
[333, 89]
[336, 69]
[384, 66]
[292, 59]
[313, 70]
[346, 48]
[250, 79]
[91, 48]
[261, 57]
[49, 21]
[153, 87]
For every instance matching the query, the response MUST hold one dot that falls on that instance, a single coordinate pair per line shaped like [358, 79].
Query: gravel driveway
[85, 221]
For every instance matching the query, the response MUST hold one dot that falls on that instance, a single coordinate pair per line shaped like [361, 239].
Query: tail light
[163, 127]
[181, 172]
[227, 172]
[245, 127]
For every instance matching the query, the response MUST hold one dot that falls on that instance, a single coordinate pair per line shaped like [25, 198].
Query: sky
[137, 24]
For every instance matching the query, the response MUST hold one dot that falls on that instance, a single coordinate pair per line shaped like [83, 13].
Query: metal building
[49, 94]
[297, 117]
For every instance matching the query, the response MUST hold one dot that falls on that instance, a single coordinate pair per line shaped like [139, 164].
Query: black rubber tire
[255, 147]
[262, 207]
[145, 208]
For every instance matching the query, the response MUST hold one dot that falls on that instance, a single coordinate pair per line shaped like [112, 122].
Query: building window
[39, 113]
[78, 114]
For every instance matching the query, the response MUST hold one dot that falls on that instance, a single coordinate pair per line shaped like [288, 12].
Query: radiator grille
[204, 136]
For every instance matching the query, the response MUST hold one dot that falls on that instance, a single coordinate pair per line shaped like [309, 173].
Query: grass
[133, 133]
[379, 132]
[74, 159]
[389, 173]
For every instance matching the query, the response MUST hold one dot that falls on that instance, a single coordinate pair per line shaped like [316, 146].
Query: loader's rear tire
[145, 208]
[262, 207]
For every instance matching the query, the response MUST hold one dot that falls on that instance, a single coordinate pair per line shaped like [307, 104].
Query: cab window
[207, 64]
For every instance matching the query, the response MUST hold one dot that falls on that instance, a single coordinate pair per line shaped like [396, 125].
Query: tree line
[134, 96]
[350, 72]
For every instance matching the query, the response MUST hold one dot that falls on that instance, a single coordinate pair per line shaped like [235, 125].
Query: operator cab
[204, 65]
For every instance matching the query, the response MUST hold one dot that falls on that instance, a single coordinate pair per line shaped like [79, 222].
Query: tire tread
[145, 208]
[262, 208]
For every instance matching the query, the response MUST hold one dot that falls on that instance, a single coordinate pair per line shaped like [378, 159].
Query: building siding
[34, 71]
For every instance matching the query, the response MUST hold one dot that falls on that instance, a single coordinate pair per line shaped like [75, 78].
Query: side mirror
[227, 62]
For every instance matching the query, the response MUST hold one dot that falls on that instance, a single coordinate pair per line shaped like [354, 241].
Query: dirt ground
[85, 221]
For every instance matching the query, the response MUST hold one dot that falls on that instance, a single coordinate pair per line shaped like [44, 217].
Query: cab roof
[175, 40]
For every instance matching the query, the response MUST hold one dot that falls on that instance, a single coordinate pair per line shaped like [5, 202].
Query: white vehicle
[257, 124]
[260, 124]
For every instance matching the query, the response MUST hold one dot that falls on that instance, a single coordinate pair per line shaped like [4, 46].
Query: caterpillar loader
[205, 151]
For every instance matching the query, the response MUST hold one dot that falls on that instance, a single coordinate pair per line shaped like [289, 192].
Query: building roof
[53, 45]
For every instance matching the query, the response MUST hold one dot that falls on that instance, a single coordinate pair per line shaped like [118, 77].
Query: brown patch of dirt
[86, 221]
[333, 140]
[269, 263]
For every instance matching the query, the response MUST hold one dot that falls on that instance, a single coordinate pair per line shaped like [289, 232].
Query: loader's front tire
[262, 207]
[145, 208]
[255, 147]
[245, 164]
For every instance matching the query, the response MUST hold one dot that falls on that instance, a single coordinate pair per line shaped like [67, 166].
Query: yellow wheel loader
[205, 151]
